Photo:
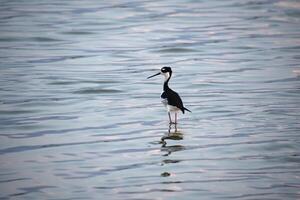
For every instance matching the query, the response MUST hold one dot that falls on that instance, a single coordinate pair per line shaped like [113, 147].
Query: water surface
[79, 119]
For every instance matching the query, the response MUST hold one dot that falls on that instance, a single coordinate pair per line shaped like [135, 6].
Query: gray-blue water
[79, 119]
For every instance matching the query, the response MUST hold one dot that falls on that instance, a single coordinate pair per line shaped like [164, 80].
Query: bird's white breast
[164, 102]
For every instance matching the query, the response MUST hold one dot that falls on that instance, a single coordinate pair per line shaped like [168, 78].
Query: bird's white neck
[167, 76]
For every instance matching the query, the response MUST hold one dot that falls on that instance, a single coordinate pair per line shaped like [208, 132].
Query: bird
[170, 98]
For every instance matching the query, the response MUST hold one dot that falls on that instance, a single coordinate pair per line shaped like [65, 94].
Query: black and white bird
[170, 98]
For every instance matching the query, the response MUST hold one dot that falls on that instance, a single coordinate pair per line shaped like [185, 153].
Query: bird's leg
[175, 118]
[170, 119]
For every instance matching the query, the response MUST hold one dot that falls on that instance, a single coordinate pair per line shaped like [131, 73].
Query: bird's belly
[169, 108]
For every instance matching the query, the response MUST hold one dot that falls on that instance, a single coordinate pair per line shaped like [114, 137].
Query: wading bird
[170, 98]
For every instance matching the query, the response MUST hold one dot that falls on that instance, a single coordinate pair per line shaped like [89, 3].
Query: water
[79, 119]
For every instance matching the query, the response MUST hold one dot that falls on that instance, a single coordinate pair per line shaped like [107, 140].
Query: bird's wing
[164, 95]
[175, 100]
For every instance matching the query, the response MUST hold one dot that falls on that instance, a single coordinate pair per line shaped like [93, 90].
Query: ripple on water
[79, 119]
[78, 32]
[175, 50]
[97, 91]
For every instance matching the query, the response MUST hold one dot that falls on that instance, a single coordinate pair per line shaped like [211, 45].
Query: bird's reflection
[171, 135]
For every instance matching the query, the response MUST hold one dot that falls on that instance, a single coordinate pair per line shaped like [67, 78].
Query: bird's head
[166, 71]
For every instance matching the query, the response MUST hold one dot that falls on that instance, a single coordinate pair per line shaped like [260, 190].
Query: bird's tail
[186, 109]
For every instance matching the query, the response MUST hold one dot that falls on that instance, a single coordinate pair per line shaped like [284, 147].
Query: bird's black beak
[153, 75]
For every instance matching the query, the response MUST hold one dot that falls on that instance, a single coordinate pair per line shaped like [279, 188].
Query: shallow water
[79, 119]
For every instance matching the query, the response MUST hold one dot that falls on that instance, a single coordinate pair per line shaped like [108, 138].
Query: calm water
[79, 119]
